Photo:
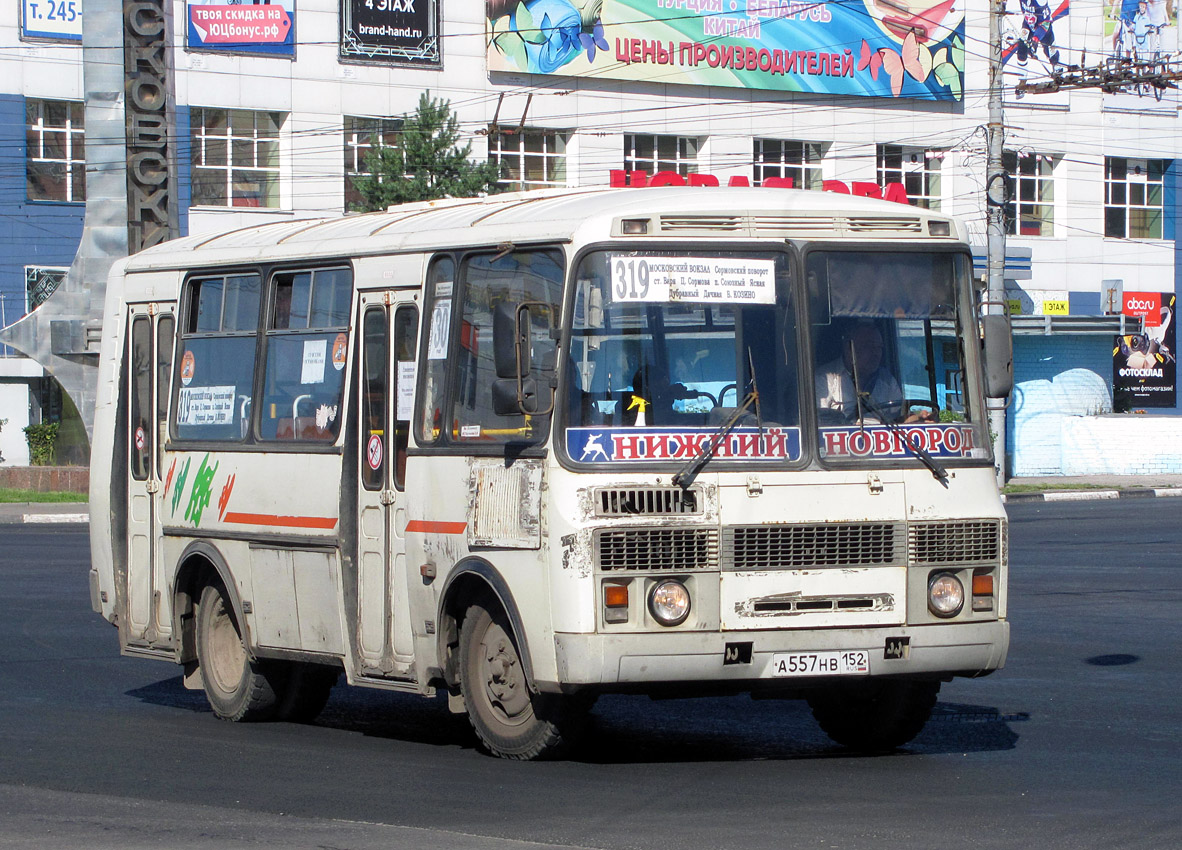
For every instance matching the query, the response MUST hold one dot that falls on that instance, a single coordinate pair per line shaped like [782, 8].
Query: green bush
[42, 440]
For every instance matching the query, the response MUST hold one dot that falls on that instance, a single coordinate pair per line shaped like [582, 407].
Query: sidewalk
[1065, 488]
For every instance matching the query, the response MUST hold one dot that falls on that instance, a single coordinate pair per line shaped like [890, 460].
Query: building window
[362, 135]
[917, 169]
[1133, 197]
[799, 161]
[529, 158]
[40, 283]
[235, 157]
[55, 158]
[1031, 210]
[661, 153]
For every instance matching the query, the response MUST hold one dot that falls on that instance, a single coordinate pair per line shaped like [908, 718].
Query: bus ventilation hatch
[646, 501]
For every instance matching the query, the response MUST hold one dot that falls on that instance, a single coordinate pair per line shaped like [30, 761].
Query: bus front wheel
[874, 716]
[238, 689]
[510, 720]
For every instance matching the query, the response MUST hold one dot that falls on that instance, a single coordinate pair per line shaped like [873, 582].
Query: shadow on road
[636, 729]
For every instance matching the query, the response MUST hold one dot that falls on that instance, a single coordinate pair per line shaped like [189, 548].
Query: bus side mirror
[505, 341]
[516, 392]
[999, 355]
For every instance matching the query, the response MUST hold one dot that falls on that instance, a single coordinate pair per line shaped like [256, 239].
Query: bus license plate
[836, 663]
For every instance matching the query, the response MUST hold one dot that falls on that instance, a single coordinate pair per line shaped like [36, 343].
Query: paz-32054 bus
[530, 449]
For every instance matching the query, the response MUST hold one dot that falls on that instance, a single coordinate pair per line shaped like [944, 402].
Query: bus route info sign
[871, 48]
[631, 445]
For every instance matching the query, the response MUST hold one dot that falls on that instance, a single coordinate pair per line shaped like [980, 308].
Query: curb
[1091, 495]
[47, 519]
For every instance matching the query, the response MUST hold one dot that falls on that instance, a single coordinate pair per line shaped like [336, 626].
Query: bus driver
[861, 345]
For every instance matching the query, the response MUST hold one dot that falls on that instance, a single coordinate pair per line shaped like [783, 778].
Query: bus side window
[437, 340]
[216, 357]
[306, 353]
[406, 331]
[488, 280]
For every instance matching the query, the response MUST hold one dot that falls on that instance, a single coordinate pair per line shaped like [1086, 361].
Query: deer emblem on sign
[594, 448]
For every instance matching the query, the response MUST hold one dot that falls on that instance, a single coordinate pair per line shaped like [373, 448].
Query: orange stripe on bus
[430, 527]
[326, 522]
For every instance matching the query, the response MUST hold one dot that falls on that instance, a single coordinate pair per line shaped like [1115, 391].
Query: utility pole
[996, 197]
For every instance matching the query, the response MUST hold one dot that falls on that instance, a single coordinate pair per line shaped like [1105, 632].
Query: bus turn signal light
[982, 593]
[615, 596]
[615, 603]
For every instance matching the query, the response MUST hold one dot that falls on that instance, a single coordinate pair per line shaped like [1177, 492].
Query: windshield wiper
[938, 472]
[684, 477]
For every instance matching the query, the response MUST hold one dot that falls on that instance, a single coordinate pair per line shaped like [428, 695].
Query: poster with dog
[1144, 365]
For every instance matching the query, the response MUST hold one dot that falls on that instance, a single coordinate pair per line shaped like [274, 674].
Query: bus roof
[552, 215]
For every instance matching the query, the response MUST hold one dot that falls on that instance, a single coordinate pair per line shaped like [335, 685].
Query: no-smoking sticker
[141, 439]
[373, 452]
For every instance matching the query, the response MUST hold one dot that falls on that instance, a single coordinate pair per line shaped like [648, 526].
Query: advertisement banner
[872, 48]
[1035, 37]
[1139, 34]
[394, 32]
[1144, 368]
[267, 28]
[52, 20]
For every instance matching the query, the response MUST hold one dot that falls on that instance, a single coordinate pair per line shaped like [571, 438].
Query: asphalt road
[1075, 744]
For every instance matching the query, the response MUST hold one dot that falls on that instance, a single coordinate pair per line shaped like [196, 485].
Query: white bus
[530, 449]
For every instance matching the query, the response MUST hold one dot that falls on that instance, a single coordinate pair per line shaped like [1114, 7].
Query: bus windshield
[888, 331]
[667, 345]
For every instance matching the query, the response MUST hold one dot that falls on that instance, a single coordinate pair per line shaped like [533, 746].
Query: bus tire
[510, 720]
[875, 716]
[238, 689]
[305, 692]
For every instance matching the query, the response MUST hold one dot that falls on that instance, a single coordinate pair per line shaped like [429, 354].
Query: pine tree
[427, 163]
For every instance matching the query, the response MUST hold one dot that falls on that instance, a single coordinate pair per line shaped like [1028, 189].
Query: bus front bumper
[623, 660]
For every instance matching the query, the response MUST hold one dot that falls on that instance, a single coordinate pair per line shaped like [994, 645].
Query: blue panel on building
[1084, 304]
[32, 233]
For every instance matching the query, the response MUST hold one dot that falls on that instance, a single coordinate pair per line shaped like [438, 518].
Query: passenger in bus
[861, 345]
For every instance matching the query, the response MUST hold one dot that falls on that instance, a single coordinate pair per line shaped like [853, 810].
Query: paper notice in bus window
[406, 389]
[729, 280]
[315, 353]
[440, 330]
[205, 406]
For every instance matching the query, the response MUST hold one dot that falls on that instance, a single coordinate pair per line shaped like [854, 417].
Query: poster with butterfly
[868, 48]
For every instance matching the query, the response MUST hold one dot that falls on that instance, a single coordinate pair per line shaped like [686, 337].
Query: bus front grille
[657, 549]
[821, 545]
[962, 542]
[648, 501]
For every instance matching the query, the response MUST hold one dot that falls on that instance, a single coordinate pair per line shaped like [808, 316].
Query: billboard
[1035, 38]
[1144, 365]
[393, 32]
[266, 28]
[1137, 32]
[871, 48]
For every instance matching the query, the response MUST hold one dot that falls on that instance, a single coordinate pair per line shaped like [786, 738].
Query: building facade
[276, 106]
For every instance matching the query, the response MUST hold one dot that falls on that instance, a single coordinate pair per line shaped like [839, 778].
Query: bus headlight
[945, 595]
[669, 602]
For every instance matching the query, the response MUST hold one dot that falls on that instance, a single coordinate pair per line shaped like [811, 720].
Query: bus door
[149, 350]
[389, 325]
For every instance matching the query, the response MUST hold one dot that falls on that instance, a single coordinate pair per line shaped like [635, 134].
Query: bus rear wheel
[238, 689]
[510, 720]
[874, 716]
